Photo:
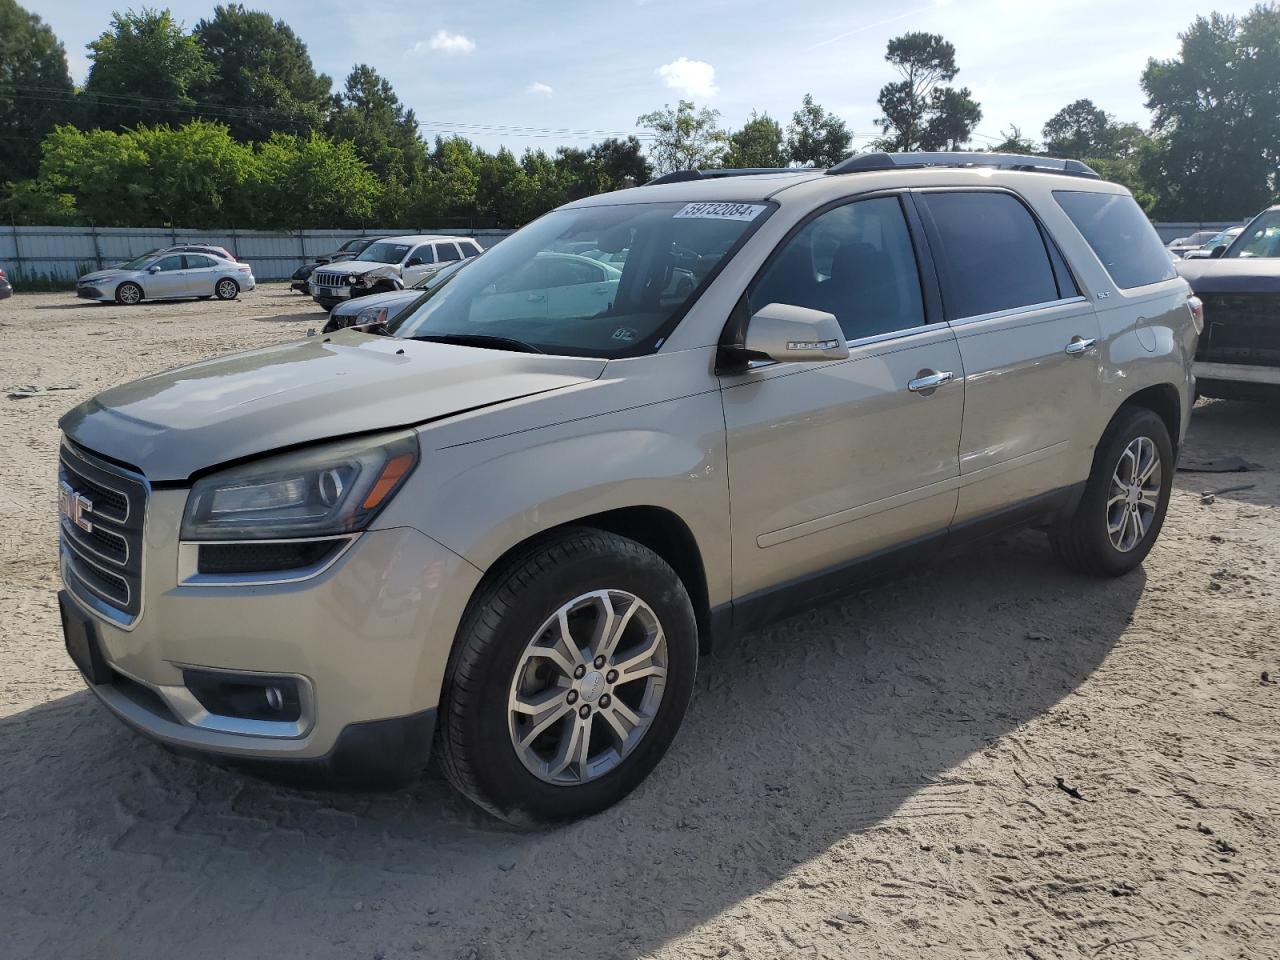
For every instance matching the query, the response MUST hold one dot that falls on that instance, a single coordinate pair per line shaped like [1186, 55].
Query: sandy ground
[880, 777]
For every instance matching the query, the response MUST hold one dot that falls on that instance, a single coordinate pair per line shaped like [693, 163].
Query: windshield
[592, 281]
[1260, 239]
[384, 252]
[139, 262]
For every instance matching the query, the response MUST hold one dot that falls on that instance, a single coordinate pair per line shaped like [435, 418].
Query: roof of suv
[422, 238]
[880, 172]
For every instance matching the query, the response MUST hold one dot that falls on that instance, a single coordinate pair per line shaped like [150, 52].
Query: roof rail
[680, 176]
[865, 162]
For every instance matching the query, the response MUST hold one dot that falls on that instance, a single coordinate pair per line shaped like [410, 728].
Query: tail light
[3, 275]
[244, 269]
[1196, 306]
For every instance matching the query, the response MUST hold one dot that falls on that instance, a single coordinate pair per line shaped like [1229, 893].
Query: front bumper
[368, 640]
[91, 293]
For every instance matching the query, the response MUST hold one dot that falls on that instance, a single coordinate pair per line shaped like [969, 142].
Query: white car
[551, 286]
[391, 264]
[168, 276]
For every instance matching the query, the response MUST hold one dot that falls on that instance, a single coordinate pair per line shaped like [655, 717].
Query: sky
[542, 73]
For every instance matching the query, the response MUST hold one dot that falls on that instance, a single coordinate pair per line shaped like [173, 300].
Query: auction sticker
[720, 211]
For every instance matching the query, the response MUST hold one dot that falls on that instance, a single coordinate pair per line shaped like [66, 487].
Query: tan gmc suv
[506, 524]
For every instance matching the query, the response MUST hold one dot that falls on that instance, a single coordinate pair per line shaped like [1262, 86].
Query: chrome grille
[1241, 328]
[101, 535]
[326, 279]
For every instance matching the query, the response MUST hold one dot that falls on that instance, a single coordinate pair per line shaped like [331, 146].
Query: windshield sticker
[720, 211]
[625, 334]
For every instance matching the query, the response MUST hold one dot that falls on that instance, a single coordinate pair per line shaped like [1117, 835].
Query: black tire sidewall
[1093, 506]
[517, 794]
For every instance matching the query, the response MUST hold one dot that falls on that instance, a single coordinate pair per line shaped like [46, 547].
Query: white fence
[64, 253]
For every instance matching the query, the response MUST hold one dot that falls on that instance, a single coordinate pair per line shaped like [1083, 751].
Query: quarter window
[993, 254]
[1120, 234]
[856, 262]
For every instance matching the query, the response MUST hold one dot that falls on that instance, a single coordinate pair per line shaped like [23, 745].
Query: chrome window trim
[1015, 311]
[858, 344]
[189, 560]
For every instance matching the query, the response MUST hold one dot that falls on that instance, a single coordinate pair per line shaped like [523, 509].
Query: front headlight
[372, 315]
[322, 491]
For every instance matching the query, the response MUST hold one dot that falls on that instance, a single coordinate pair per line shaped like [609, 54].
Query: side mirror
[782, 332]
[1217, 251]
[153, 269]
[414, 262]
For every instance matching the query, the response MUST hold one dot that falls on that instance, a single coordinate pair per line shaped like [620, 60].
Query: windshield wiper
[480, 340]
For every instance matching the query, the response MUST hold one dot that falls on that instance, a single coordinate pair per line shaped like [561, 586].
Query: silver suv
[507, 522]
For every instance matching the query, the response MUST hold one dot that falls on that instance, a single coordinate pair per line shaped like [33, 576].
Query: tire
[1088, 541]
[515, 612]
[128, 294]
[226, 289]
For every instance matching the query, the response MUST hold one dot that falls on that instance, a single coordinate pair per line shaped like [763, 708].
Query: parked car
[508, 528]
[6, 288]
[1239, 353]
[390, 264]
[1218, 242]
[1184, 245]
[385, 307]
[348, 251]
[168, 276]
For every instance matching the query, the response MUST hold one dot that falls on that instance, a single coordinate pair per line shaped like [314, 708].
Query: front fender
[481, 499]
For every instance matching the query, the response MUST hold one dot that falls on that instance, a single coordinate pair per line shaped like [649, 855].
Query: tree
[298, 182]
[1079, 130]
[1014, 142]
[262, 78]
[146, 69]
[815, 137]
[384, 131]
[1216, 111]
[758, 144]
[684, 138]
[35, 88]
[919, 112]
[609, 165]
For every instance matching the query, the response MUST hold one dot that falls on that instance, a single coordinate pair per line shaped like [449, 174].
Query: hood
[1232, 275]
[358, 267]
[104, 275]
[174, 424]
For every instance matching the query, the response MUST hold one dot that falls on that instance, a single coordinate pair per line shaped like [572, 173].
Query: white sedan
[168, 276]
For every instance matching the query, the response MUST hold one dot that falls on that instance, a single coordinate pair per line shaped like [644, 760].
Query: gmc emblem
[74, 506]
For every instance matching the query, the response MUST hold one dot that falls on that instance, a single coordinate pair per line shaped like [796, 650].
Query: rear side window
[447, 252]
[1120, 234]
[197, 262]
[993, 255]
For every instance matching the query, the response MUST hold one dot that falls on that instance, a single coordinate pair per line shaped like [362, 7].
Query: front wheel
[568, 680]
[128, 294]
[1125, 499]
[227, 289]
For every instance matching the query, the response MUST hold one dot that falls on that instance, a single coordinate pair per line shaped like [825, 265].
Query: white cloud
[450, 44]
[541, 89]
[694, 78]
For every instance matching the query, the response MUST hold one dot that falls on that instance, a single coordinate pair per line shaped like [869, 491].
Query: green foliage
[262, 78]
[758, 144]
[1014, 142]
[920, 113]
[685, 138]
[1216, 109]
[146, 69]
[35, 88]
[35, 202]
[815, 137]
[1077, 131]
[310, 181]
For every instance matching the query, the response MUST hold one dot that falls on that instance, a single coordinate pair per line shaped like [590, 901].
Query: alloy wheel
[587, 687]
[1135, 494]
[226, 289]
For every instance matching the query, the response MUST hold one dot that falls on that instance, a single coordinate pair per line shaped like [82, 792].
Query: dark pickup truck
[1239, 353]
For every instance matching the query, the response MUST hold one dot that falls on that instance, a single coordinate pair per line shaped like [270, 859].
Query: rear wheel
[226, 289]
[1126, 496]
[128, 294]
[568, 680]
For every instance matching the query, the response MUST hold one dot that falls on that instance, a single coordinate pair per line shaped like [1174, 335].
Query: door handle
[537, 297]
[1079, 346]
[930, 380]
